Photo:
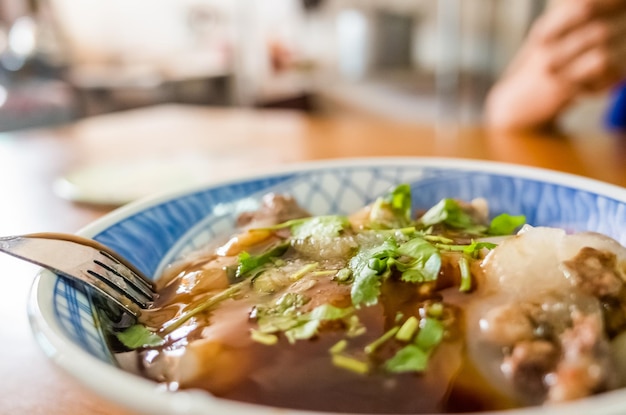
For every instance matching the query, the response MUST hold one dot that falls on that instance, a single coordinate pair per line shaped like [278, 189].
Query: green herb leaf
[430, 334]
[282, 314]
[417, 247]
[288, 224]
[270, 280]
[279, 323]
[329, 312]
[249, 263]
[284, 317]
[320, 227]
[417, 260]
[410, 358]
[394, 209]
[450, 213]
[138, 336]
[303, 331]
[474, 248]
[309, 323]
[505, 224]
[366, 286]
[414, 357]
[425, 262]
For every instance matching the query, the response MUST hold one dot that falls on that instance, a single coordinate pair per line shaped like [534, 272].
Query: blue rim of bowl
[70, 357]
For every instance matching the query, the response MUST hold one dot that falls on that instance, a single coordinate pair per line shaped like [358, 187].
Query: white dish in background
[116, 183]
[152, 231]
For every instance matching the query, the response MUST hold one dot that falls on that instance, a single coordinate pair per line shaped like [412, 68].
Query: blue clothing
[615, 118]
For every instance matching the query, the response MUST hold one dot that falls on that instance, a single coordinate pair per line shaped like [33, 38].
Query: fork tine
[128, 275]
[109, 290]
[118, 284]
[88, 261]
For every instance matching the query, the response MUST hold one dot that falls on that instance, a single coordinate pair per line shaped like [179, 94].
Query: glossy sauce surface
[302, 375]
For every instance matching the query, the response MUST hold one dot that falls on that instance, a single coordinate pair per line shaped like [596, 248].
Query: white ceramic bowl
[153, 231]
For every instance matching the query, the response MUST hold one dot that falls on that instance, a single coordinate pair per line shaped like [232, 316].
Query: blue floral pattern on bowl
[153, 236]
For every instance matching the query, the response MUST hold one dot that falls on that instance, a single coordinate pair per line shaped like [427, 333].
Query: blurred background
[410, 60]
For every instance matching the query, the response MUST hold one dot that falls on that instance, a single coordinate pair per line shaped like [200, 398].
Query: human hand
[588, 47]
[575, 48]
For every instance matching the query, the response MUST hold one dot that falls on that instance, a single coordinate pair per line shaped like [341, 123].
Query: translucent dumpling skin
[547, 311]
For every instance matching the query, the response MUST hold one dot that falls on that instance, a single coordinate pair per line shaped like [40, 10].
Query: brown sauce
[302, 375]
[234, 336]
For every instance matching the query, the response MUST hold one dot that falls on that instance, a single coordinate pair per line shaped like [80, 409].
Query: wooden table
[233, 142]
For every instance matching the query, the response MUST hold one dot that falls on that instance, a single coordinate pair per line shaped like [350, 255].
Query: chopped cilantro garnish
[343, 275]
[366, 286]
[296, 325]
[314, 226]
[393, 245]
[466, 275]
[137, 336]
[410, 358]
[434, 310]
[305, 329]
[505, 224]
[417, 260]
[278, 322]
[338, 347]
[249, 263]
[472, 250]
[267, 339]
[355, 328]
[449, 212]
[325, 273]
[438, 239]
[371, 348]
[303, 271]
[285, 308]
[430, 334]
[350, 363]
[414, 357]
[283, 225]
[270, 280]
[408, 329]
[425, 261]
[393, 210]
[329, 312]
[310, 322]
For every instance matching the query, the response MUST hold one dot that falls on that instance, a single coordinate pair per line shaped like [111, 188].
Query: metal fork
[90, 262]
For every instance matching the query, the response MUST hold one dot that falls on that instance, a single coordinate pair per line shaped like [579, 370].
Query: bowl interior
[152, 233]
